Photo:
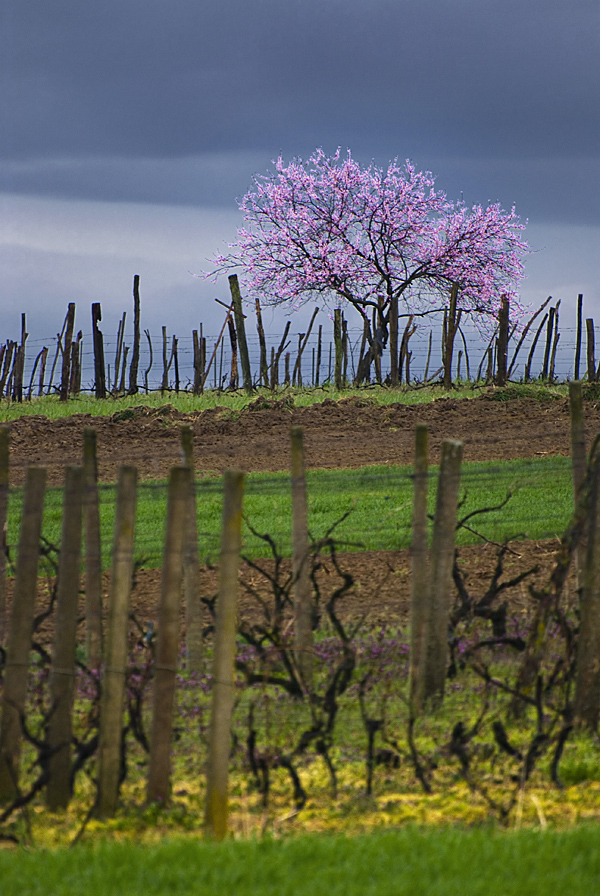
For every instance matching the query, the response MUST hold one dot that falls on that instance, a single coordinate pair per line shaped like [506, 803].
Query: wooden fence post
[503, 325]
[236, 298]
[337, 338]
[219, 738]
[93, 553]
[435, 649]
[452, 321]
[300, 567]
[4, 471]
[578, 338]
[419, 566]
[62, 679]
[591, 354]
[578, 462]
[115, 665]
[395, 367]
[264, 368]
[19, 637]
[191, 572]
[99, 364]
[587, 685]
[167, 647]
[66, 364]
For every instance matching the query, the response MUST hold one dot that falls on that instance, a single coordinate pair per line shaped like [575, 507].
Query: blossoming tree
[373, 238]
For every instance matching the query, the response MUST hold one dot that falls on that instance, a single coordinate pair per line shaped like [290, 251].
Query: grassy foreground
[435, 862]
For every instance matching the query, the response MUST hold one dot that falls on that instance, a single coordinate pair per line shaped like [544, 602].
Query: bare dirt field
[349, 433]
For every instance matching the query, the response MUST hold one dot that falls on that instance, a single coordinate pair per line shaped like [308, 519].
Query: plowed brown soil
[349, 433]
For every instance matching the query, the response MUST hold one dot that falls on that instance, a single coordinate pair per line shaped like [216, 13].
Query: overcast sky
[130, 127]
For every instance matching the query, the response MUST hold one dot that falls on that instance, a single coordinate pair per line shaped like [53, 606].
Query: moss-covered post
[219, 738]
[113, 682]
[62, 678]
[419, 565]
[20, 631]
[4, 478]
[435, 650]
[93, 553]
[302, 589]
[167, 647]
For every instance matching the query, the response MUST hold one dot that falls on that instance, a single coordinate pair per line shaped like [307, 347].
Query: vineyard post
[4, 480]
[450, 333]
[240, 327]
[435, 649]
[93, 553]
[62, 678]
[300, 568]
[503, 324]
[20, 631]
[587, 685]
[191, 572]
[395, 367]
[264, 370]
[99, 365]
[115, 658]
[219, 738]
[337, 338]
[135, 357]
[419, 565]
[578, 340]
[318, 361]
[159, 771]
[66, 359]
[591, 350]
[578, 459]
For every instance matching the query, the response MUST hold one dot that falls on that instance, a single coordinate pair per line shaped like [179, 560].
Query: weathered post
[191, 572]
[19, 636]
[503, 324]
[587, 685]
[264, 369]
[219, 737]
[591, 353]
[578, 461]
[135, 357]
[62, 678]
[578, 339]
[236, 299]
[66, 365]
[99, 364]
[300, 567]
[4, 471]
[113, 683]
[339, 353]
[395, 367]
[93, 553]
[159, 772]
[419, 565]
[450, 334]
[435, 649]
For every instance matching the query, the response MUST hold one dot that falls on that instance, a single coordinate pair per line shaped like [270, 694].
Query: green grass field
[379, 498]
[411, 861]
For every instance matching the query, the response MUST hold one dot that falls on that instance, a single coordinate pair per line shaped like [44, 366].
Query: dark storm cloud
[88, 86]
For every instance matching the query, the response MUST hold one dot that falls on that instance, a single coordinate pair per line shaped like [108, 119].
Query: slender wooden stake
[167, 648]
[219, 737]
[124, 370]
[275, 362]
[44, 355]
[286, 380]
[274, 372]
[99, 365]
[4, 480]
[450, 334]
[435, 651]
[303, 639]
[344, 352]
[175, 356]
[197, 368]
[578, 462]
[533, 347]
[297, 374]
[93, 553]
[549, 332]
[234, 376]
[7, 353]
[62, 678]
[395, 366]
[119, 352]
[19, 636]
[135, 357]
[241, 332]
[419, 566]
[578, 341]
[555, 341]
[191, 571]
[428, 357]
[64, 383]
[149, 367]
[165, 377]
[113, 683]
[503, 325]
[587, 685]
[318, 362]
[337, 338]
[264, 369]
[591, 354]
